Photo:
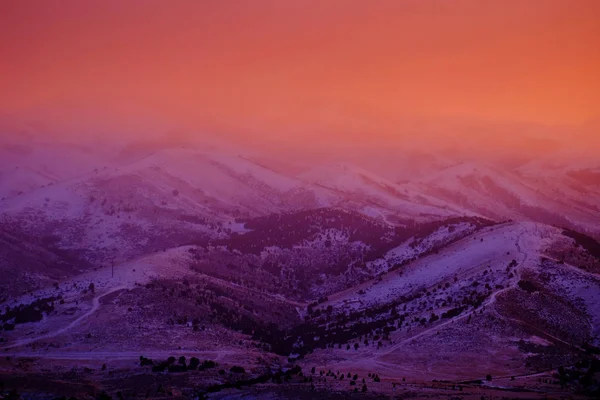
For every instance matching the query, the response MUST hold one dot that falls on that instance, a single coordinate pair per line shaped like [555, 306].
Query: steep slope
[25, 167]
[503, 194]
[575, 181]
[312, 253]
[177, 196]
[380, 195]
[493, 303]
[228, 180]
[499, 300]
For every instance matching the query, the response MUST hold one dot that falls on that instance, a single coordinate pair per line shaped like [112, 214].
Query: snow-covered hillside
[503, 194]
[26, 167]
[334, 265]
[499, 295]
[107, 204]
[355, 184]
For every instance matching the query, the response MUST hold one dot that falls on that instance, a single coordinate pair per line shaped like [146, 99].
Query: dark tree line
[24, 313]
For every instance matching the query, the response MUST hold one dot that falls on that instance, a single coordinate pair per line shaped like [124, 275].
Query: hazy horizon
[299, 199]
[500, 75]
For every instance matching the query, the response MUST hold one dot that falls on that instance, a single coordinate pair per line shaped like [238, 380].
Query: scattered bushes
[588, 243]
[528, 286]
[453, 312]
[171, 366]
[32, 312]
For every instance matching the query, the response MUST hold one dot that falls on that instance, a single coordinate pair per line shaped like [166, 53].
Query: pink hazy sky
[344, 67]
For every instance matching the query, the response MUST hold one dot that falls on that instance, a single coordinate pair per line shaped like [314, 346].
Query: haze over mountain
[299, 200]
[318, 255]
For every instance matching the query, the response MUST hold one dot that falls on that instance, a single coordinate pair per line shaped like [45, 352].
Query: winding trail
[489, 301]
[523, 259]
[95, 306]
[215, 355]
[375, 361]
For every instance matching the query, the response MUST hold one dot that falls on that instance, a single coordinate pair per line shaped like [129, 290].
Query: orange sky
[290, 66]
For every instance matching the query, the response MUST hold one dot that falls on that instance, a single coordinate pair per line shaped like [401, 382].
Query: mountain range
[294, 278]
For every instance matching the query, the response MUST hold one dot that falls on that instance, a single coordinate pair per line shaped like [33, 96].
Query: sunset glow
[299, 199]
[284, 67]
